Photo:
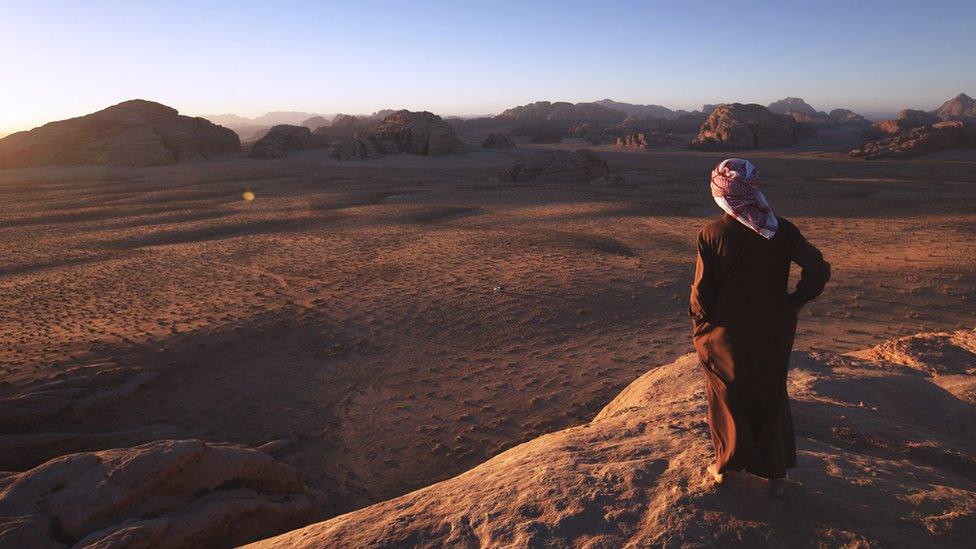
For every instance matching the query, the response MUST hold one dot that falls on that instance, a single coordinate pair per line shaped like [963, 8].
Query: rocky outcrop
[133, 133]
[791, 105]
[283, 139]
[960, 107]
[355, 149]
[497, 141]
[643, 140]
[950, 134]
[800, 111]
[907, 119]
[422, 133]
[546, 118]
[885, 452]
[558, 165]
[343, 126]
[169, 493]
[848, 117]
[738, 126]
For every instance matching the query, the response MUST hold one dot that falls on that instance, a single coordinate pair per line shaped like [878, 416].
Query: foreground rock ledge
[887, 457]
[169, 493]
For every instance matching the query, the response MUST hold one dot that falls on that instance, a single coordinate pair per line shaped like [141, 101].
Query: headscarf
[735, 187]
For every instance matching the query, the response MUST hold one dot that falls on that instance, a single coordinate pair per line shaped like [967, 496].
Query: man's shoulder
[715, 229]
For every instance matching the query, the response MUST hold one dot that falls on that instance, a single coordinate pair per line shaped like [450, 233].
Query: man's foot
[719, 477]
[777, 487]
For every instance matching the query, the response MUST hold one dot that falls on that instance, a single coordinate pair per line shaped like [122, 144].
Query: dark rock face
[959, 107]
[951, 134]
[422, 133]
[643, 140]
[132, 133]
[558, 165]
[497, 141]
[168, 493]
[355, 149]
[737, 126]
[343, 126]
[281, 140]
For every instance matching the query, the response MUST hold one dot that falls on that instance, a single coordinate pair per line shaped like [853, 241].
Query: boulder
[558, 165]
[132, 133]
[950, 134]
[282, 139]
[422, 133]
[497, 141]
[168, 493]
[738, 126]
[643, 140]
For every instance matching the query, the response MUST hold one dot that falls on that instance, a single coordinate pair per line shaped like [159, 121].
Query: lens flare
[248, 196]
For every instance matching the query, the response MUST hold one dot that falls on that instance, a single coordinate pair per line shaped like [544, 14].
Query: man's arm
[814, 272]
[703, 287]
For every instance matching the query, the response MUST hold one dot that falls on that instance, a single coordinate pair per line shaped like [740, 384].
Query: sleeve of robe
[814, 272]
[703, 288]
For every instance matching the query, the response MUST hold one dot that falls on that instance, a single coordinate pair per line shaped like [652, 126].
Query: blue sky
[64, 59]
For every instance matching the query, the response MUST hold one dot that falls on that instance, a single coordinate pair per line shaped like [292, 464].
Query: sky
[63, 59]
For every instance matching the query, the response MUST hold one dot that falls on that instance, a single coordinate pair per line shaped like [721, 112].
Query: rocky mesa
[132, 133]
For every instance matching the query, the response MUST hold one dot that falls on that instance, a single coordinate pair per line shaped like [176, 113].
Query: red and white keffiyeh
[735, 188]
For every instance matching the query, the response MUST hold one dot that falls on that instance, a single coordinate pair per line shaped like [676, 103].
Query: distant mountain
[639, 111]
[791, 105]
[228, 120]
[274, 118]
[960, 106]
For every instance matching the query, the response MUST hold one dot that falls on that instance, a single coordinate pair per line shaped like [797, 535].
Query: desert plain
[383, 325]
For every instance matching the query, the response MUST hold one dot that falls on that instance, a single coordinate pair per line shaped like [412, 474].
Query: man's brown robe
[744, 321]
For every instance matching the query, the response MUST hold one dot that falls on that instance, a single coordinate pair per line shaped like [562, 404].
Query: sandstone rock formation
[639, 111]
[281, 140]
[497, 141]
[343, 126]
[885, 451]
[790, 105]
[169, 493]
[422, 133]
[738, 126]
[544, 117]
[558, 165]
[132, 133]
[355, 149]
[959, 107]
[848, 117]
[643, 140]
[907, 119]
[951, 134]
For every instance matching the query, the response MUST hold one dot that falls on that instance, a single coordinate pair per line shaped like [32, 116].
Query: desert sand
[392, 323]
